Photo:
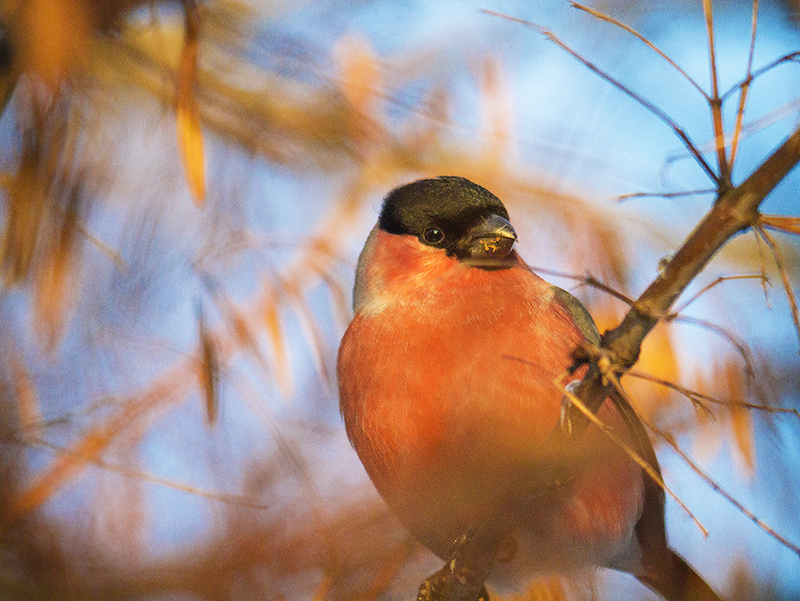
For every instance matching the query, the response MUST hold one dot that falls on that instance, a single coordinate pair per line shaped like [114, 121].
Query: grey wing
[650, 529]
[579, 313]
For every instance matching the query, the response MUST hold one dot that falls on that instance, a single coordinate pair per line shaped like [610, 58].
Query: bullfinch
[448, 390]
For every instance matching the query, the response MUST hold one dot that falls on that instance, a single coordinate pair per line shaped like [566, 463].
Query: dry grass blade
[715, 101]
[745, 87]
[25, 209]
[781, 223]
[742, 425]
[313, 334]
[66, 467]
[238, 323]
[699, 399]
[646, 467]
[190, 136]
[29, 412]
[150, 478]
[787, 284]
[104, 248]
[653, 109]
[56, 274]
[391, 566]
[282, 371]
[604, 17]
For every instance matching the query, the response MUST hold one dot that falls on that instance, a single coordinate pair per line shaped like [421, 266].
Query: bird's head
[466, 221]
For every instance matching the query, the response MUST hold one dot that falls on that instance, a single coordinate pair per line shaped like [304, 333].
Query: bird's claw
[567, 409]
[439, 587]
[461, 579]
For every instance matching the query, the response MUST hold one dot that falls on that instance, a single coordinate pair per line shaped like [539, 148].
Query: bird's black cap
[443, 212]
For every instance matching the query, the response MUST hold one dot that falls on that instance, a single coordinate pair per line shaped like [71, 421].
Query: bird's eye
[433, 235]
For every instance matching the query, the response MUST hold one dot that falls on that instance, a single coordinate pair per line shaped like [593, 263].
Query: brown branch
[735, 211]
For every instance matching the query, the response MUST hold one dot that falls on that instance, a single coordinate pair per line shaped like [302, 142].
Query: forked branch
[733, 212]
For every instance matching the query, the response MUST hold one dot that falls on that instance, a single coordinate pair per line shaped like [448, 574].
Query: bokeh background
[185, 189]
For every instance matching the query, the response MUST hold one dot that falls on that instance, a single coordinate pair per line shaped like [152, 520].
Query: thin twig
[792, 56]
[787, 284]
[762, 263]
[720, 280]
[697, 398]
[737, 129]
[630, 451]
[715, 101]
[657, 112]
[741, 345]
[644, 40]
[699, 471]
[587, 280]
[666, 194]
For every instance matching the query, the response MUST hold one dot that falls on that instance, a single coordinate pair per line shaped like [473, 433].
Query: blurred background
[185, 189]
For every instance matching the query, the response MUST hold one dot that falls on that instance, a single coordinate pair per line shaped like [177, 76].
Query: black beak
[490, 243]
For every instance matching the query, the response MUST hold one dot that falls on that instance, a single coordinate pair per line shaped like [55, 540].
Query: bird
[448, 389]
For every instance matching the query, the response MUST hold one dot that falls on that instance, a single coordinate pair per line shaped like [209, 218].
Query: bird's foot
[446, 585]
[461, 579]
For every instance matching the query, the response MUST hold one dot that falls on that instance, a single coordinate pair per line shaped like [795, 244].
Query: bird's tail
[680, 582]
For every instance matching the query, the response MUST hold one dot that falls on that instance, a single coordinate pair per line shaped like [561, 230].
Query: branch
[734, 211]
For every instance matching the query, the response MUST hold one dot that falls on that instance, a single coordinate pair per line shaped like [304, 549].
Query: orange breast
[447, 393]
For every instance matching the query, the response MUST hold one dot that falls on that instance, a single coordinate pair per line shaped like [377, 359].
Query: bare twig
[604, 17]
[720, 280]
[787, 284]
[587, 280]
[737, 129]
[741, 346]
[787, 58]
[666, 194]
[147, 477]
[715, 102]
[699, 471]
[657, 112]
[698, 398]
